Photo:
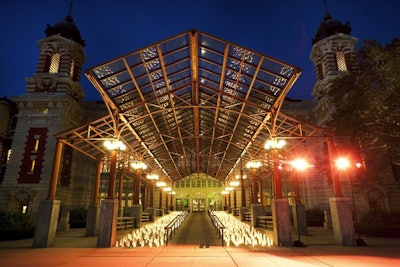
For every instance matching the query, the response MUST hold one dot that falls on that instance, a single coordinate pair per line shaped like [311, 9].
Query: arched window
[341, 61]
[72, 69]
[321, 70]
[55, 63]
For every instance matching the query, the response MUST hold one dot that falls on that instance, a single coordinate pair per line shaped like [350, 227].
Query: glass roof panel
[129, 90]
[174, 43]
[211, 67]
[133, 59]
[212, 43]
[176, 56]
[178, 68]
[120, 89]
[109, 69]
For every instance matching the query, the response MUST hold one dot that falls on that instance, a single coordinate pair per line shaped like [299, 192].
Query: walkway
[198, 230]
[72, 249]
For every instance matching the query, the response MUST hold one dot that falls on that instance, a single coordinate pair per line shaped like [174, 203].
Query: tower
[52, 102]
[333, 54]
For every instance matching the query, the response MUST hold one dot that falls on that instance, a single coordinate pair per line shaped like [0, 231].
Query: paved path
[72, 249]
[197, 229]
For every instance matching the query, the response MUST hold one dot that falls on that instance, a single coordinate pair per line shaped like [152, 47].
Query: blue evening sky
[279, 29]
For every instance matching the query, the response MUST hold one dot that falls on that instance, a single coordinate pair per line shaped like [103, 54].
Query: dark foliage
[15, 226]
[380, 223]
[367, 112]
[77, 217]
[315, 217]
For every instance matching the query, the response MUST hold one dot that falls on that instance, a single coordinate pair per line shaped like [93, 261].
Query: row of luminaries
[236, 233]
[151, 234]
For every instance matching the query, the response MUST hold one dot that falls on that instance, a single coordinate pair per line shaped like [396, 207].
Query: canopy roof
[192, 103]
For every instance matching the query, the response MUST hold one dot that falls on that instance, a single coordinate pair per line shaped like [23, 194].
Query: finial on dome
[66, 28]
[69, 16]
[327, 15]
[330, 26]
[70, 8]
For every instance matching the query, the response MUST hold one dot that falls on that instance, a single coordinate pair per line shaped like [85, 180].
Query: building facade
[52, 103]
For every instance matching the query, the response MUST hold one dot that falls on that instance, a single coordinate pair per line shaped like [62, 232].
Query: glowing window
[341, 61]
[24, 208]
[71, 71]
[323, 69]
[55, 63]
[36, 145]
[9, 155]
[33, 165]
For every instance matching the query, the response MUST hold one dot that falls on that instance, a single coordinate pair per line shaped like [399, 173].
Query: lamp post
[279, 205]
[152, 177]
[256, 208]
[172, 193]
[275, 145]
[299, 165]
[234, 184]
[225, 194]
[344, 164]
[138, 166]
[137, 209]
[167, 191]
[229, 189]
[341, 214]
[114, 146]
[253, 167]
[242, 189]
[109, 206]
[160, 185]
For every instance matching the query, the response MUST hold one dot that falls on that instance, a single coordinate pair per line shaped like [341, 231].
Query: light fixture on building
[299, 164]
[138, 165]
[234, 183]
[253, 164]
[114, 144]
[152, 176]
[244, 176]
[342, 163]
[161, 184]
[274, 143]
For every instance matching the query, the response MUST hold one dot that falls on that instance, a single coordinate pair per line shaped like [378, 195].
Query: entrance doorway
[199, 204]
[182, 204]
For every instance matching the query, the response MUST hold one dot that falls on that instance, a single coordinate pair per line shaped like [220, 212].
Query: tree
[366, 102]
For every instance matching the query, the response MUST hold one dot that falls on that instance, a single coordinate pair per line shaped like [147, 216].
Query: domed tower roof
[67, 29]
[329, 27]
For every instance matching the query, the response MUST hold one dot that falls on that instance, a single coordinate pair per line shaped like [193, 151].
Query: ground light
[238, 233]
[152, 234]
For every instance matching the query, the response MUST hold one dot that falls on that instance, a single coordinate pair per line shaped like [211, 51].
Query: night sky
[279, 29]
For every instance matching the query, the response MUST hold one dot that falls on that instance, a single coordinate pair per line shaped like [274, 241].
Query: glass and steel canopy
[193, 103]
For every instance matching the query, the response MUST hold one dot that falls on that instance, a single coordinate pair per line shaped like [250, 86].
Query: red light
[342, 163]
[300, 164]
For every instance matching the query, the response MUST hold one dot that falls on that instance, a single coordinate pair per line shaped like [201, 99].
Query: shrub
[77, 217]
[380, 223]
[15, 226]
[315, 217]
